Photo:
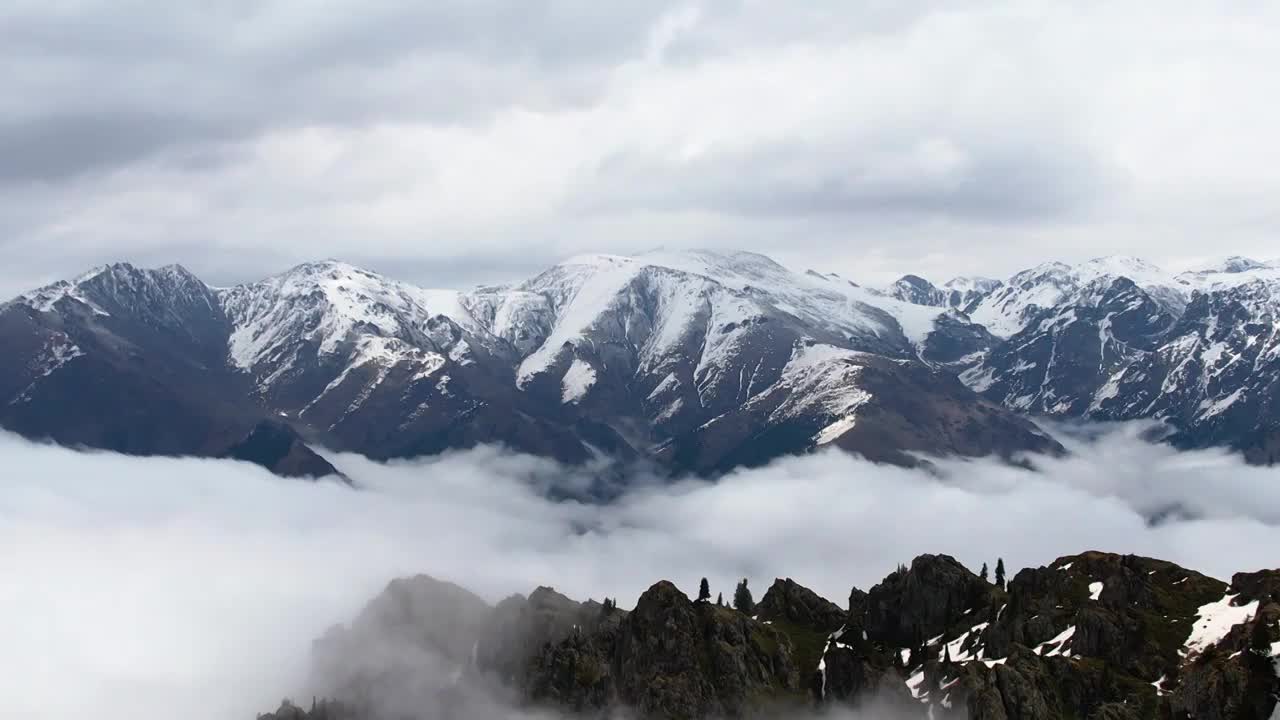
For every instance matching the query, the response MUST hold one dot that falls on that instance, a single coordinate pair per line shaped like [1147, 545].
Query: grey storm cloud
[979, 178]
[104, 84]
[444, 137]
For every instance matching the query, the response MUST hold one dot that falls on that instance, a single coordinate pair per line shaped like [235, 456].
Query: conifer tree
[720, 599]
[986, 577]
[1000, 572]
[704, 591]
[742, 598]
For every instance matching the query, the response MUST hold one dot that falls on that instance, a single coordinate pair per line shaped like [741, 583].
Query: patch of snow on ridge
[1214, 621]
[45, 298]
[1058, 644]
[833, 431]
[1095, 590]
[822, 378]
[384, 354]
[591, 283]
[812, 297]
[577, 380]
[56, 353]
[915, 684]
[1159, 685]
[1216, 406]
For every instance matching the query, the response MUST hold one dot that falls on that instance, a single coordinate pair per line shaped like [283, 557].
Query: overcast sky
[451, 142]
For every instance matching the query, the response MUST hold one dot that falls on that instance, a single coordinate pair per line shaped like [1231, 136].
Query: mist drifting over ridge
[136, 586]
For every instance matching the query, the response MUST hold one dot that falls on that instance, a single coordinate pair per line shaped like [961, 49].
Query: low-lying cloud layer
[137, 588]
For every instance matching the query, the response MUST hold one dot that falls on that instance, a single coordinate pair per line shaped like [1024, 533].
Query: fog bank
[140, 588]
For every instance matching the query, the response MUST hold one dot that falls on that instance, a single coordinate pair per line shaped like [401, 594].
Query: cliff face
[670, 657]
[1089, 636]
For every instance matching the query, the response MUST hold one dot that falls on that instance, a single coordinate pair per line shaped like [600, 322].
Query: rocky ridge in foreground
[1094, 635]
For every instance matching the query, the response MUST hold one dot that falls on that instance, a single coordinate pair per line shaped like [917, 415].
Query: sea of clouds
[154, 588]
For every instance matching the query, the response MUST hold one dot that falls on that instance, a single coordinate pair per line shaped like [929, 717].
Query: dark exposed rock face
[278, 448]
[1060, 361]
[1095, 635]
[911, 409]
[670, 658]
[519, 628]
[1136, 624]
[1091, 636]
[916, 290]
[938, 416]
[319, 710]
[923, 601]
[789, 601]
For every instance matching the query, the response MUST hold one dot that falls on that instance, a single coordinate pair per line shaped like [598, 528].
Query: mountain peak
[120, 284]
[326, 266]
[333, 304]
[1138, 270]
[970, 281]
[1231, 265]
[915, 281]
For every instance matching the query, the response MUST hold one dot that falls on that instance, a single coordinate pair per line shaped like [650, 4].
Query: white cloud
[860, 138]
[143, 585]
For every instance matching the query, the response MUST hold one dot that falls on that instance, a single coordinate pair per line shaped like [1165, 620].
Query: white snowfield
[1214, 622]
[696, 289]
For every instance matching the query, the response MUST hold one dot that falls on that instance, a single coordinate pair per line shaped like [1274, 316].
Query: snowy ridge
[1007, 308]
[1030, 294]
[122, 286]
[331, 305]
[676, 341]
[972, 284]
[822, 300]
[57, 352]
[701, 304]
[46, 298]
[822, 380]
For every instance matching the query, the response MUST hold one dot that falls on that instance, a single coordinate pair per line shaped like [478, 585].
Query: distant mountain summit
[1119, 339]
[699, 360]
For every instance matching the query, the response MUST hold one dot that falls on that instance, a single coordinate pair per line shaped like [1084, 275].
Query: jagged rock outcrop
[923, 601]
[520, 627]
[789, 601]
[1095, 635]
[402, 650]
[277, 447]
[670, 658]
[319, 710]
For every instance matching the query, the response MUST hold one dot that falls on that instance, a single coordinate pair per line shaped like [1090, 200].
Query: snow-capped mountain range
[1117, 338]
[698, 360]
